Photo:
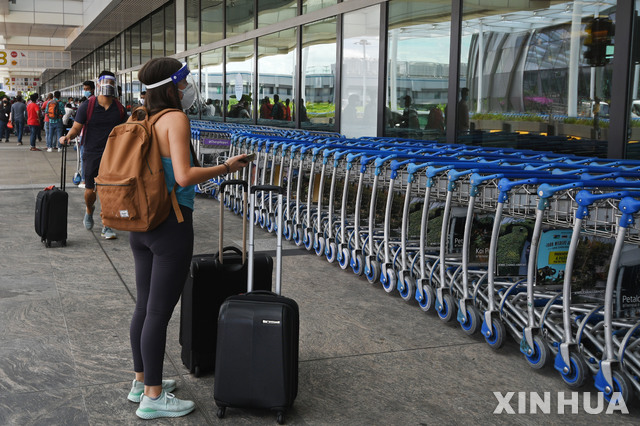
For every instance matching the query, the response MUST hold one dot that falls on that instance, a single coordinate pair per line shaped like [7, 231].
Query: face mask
[87, 94]
[141, 101]
[107, 90]
[188, 96]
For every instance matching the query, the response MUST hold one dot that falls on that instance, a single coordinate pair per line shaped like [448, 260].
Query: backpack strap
[90, 107]
[152, 121]
[121, 109]
[176, 206]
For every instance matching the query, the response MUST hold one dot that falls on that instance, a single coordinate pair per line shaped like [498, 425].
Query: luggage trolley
[595, 210]
[614, 374]
[372, 260]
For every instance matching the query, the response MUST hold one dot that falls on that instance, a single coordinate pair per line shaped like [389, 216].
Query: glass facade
[271, 12]
[240, 89]
[633, 126]
[211, 22]
[525, 68]
[211, 84]
[531, 71]
[240, 17]
[418, 39]
[276, 78]
[360, 47]
[319, 58]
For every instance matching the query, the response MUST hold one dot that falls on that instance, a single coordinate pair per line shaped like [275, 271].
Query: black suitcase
[212, 278]
[258, 340]
[52, 207]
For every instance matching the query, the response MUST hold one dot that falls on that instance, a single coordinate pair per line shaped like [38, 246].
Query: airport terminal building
[531, 67]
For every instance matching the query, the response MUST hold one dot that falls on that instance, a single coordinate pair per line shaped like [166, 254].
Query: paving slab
[366, 357]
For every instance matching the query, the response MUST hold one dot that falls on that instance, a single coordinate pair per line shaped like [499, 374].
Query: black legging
[162, 257]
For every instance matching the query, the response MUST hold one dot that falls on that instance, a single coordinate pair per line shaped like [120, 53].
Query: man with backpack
[55, 111]
[97, 117]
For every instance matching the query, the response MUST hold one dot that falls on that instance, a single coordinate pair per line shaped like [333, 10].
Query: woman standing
[162, 256]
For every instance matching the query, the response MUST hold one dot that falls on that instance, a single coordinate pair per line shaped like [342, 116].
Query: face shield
[107, 86]
[186, 84]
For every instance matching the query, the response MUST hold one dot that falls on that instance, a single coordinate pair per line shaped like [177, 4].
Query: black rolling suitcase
[212, 278]
[52, 206]
[257, 353]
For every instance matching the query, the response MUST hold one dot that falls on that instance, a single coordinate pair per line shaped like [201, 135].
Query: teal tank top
[184, 195]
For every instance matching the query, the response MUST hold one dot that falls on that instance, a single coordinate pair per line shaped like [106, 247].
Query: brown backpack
[130, 182]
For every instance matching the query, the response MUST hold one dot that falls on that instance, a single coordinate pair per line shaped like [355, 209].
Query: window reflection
[309, 6]
[317, 107]
[528, 73]
[633, 146]
[360, 72]
[157, 28]
[145, 40]
[135, 45]
[276, 68]
[211, 21]
[239, 84]
[240, 17]
[170, 29]
[212, 85]
[192, 22]
[270, 12]
[417, 69]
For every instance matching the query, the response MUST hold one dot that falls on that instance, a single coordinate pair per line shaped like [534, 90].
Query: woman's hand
[236, 163]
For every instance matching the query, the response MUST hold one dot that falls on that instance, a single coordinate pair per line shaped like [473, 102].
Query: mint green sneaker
[88, 220]
[137, 389]
[166, 405]
[107, 233]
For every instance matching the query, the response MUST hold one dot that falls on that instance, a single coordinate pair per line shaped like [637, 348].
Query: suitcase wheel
[221, 412]
[196, 371]
[280, 418]
[47, 243]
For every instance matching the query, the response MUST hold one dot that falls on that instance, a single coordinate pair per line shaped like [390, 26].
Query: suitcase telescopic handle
[281, 191]
[223, 185]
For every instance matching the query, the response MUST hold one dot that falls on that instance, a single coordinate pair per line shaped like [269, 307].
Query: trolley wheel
[409, 289]
[308, 240]
[426, 303]
[319, 246]
[472, 320]
[539, 353]
[280, 418]
[330, 252]
[496, 340]
[297, 235]
[271, 222]
[287, 231]
[575, 377]
[388, 279]
[221, 412]
[357, 264]
[372, 271]
[196, 371]
[622, 384]
[47, 243]
[448, 309]
[64, 243]
[343, 259]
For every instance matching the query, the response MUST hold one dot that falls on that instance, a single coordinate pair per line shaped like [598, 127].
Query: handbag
[9, 125]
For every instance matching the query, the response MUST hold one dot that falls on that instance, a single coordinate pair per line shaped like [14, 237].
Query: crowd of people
[49, 113]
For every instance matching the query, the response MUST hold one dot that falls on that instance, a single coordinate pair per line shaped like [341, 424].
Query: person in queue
[162, 256]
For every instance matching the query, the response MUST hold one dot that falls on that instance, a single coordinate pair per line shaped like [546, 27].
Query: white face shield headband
[182, 77]
[107, 86]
